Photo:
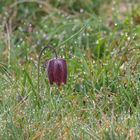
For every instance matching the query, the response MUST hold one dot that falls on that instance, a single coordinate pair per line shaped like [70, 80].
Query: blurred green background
[100, 40]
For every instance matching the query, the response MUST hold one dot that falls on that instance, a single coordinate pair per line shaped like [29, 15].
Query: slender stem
[41, 52]
[8, 41]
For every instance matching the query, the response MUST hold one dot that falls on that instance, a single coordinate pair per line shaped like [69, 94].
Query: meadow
[100, 41]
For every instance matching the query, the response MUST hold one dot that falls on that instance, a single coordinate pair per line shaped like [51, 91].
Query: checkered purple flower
[57, 71]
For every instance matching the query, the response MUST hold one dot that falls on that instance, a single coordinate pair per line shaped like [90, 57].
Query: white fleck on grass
[81, 10]
[97, 42]
[129, 38]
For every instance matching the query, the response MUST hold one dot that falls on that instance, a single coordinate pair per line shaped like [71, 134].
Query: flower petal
[50, 67]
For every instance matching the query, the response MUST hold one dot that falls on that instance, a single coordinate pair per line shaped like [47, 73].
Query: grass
[101, 44]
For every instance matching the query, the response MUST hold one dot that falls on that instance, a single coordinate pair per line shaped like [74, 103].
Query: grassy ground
[100, 41]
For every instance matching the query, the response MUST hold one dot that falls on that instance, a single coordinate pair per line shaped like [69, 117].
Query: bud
[57, 71]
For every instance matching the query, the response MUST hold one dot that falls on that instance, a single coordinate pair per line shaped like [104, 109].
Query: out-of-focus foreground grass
[100, 39]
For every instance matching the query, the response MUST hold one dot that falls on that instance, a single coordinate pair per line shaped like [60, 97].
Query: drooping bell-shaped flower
[57, 71]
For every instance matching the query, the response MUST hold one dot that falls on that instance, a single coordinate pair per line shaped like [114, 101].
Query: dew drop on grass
[64, 32]
[45, 37]
[113, 9]
[97, 42]
[21, 39]
[18, 46]
[89, 28]
[45, 26]
[128, 38]
[121, 33]
[63, 56]
[40, 5]
[31, 58]
[84, 34]
[13, 79]
[84, 73]
[37, 32]
[134, 36]
[38, 43]
[81, 10]
[20, 29]
[55, 36]
[126, 34]
[87, 34]
[54, 44]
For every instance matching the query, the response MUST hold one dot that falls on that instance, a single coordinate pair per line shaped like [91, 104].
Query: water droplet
[21, 39]
[128, 38]
[81, 10]
[84, 34]
[40, 6]
[18, 46]
[37, 32]
[84, 73]
[113, 8]
[126, 34]
[97, 42]
[55, 36]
